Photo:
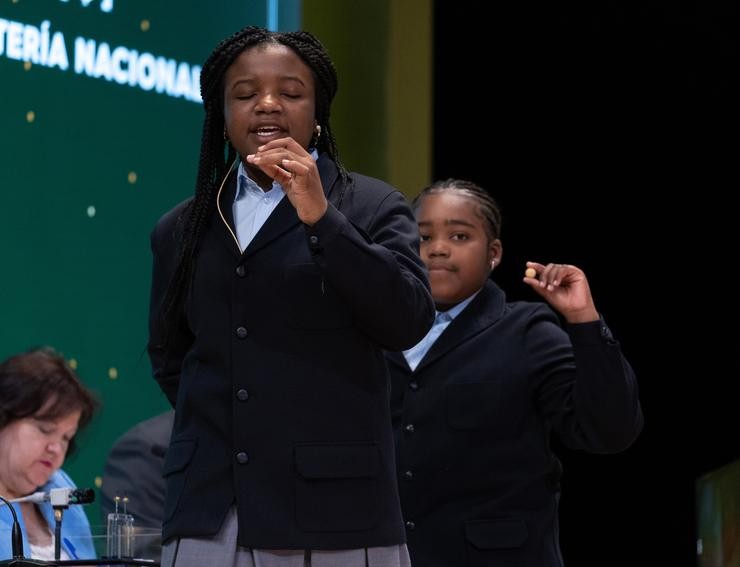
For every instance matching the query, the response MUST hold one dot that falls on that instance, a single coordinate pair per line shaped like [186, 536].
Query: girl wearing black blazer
[475, 402]
[274, 291]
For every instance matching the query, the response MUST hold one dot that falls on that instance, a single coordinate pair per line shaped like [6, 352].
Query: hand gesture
[565, 288]
[288, 163]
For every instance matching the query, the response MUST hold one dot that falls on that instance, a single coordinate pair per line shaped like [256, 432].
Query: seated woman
[42, 406]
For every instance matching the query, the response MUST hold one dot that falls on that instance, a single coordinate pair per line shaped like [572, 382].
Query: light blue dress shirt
[416, 353]
[253, 206]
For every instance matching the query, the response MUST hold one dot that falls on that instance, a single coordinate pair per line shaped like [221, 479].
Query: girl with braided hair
[274, 290]
[476, 402]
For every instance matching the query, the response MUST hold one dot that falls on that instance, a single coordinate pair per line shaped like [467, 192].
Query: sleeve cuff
[326, 229]
[591, 333]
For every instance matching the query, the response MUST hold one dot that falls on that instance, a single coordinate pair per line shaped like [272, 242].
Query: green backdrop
[89, 160]
[98, 141]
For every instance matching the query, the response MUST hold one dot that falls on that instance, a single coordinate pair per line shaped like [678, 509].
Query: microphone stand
[16, 535]
[60, 501]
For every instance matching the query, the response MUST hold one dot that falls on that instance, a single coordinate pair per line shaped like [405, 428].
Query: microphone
[60, 496]
[16, 535]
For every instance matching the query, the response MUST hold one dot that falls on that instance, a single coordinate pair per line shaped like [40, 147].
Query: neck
[6, 493]
[259, 177]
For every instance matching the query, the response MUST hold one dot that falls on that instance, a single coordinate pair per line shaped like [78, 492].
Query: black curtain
[607, 132]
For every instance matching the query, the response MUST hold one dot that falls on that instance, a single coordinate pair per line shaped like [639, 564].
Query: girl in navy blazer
[274, 291]
[475, 402]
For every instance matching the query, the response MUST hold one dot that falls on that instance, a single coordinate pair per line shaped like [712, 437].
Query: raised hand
[288, 163]
[565, 288]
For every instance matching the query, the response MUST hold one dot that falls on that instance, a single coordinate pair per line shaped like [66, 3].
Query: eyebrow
[449, 222]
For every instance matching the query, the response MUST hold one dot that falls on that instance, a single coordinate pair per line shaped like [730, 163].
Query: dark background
[607, 132]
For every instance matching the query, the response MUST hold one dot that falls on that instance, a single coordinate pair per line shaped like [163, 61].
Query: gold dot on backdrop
[73, 363]
[27, 65]
[145, 25]
[30, 116]
[98, 482]
[112, 373]
[132, 177]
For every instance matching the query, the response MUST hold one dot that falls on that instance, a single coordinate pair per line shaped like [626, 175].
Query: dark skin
[270, 119]
[460, 255]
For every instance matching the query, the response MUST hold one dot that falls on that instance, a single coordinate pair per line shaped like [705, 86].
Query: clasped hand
[288, 163]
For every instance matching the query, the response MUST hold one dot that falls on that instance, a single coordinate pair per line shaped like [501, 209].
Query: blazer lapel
[281, 220]
[482, 312]
[284, 217]
[398, 359]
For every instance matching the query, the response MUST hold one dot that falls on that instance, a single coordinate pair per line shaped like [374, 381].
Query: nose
[268, 103]
[56, 448]
[437, 247]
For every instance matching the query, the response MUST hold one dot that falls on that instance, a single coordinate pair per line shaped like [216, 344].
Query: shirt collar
[455, 311]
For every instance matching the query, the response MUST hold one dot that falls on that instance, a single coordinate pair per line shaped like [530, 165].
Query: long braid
[488, 209]
[216, 155]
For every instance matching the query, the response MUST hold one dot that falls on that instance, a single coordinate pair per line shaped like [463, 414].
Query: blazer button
[408, 475]
[242, 458]
[241, 332]
[241, 271]
[414, 385]
[410, 525]
[242, 395]
[410, 428]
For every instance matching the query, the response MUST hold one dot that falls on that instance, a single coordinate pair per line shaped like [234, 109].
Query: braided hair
[488, 209]
[217, 154]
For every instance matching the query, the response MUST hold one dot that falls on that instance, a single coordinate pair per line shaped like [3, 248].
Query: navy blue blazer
[279, 381]
[479, 484]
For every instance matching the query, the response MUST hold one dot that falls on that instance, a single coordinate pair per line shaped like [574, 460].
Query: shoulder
[156, 429]
[361, 190]
[524, 315]
[168, 221]
[532, 311]
[60, 479]
[371, 185]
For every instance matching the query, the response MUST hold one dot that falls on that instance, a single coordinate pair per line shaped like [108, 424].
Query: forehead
[66, 421]
[447, 207]
[269, 61]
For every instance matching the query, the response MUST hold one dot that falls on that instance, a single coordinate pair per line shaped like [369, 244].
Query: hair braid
[487, 206]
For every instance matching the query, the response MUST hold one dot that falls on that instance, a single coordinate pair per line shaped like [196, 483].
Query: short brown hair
[40, 380]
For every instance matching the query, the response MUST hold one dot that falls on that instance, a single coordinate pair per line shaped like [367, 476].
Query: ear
[495, 253]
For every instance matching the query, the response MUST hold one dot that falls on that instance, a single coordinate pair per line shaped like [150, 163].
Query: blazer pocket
[496, 542]
[483, 406]
[337, 486]
[313, 304]
[175, 471]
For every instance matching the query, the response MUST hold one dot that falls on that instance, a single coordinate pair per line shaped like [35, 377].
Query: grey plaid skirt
[221, 551]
